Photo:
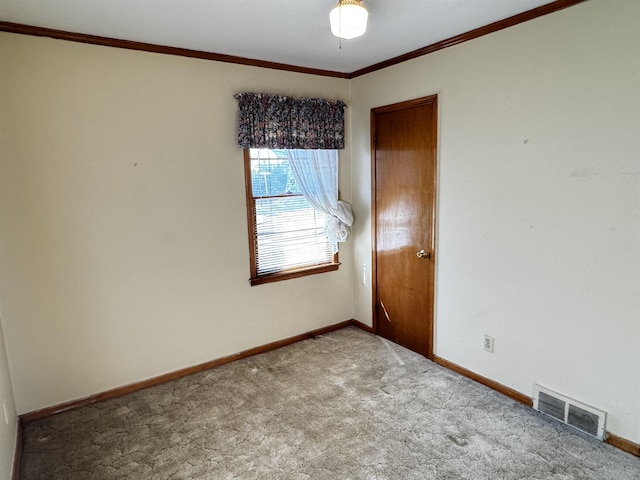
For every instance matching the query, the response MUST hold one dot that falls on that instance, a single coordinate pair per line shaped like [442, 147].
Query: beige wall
[538, 202]
[124, 239]
[8, 423]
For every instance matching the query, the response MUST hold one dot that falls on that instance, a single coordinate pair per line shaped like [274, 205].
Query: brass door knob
[423, 254]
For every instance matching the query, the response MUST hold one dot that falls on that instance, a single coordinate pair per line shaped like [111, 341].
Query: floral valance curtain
[276, 121]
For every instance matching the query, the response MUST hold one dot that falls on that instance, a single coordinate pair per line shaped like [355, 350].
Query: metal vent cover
[583, 420]
[551, 406]
[567, 410]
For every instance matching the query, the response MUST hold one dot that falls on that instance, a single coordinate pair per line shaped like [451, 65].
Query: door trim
[431, 99]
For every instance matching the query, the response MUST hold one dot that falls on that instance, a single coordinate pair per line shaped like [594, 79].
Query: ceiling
[294, 32]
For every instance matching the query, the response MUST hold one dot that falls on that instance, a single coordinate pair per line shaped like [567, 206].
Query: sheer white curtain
[316, 172]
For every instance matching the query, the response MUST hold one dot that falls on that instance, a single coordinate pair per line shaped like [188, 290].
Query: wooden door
[404, 142]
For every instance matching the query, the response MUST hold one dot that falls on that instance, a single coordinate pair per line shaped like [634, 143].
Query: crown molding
[153, 48]
[218, 57]
[471, 35]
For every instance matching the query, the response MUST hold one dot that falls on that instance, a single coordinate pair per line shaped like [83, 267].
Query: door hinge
[375, 139]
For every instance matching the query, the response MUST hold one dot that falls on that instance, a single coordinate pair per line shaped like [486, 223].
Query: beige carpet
[346, 405]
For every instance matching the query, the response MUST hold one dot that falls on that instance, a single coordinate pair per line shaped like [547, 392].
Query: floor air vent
[583, 417]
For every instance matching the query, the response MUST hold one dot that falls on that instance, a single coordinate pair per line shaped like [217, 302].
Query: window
[286, 234]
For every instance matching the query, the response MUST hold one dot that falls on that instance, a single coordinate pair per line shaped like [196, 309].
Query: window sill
[302, 272]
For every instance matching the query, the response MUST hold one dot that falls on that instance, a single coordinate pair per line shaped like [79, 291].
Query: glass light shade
[348, 19]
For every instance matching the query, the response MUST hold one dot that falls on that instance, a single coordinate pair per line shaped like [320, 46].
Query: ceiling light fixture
[348, 19]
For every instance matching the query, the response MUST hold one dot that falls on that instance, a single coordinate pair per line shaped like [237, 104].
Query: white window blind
[288, 231]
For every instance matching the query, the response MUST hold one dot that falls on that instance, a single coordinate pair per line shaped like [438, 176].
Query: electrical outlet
[487, 344]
